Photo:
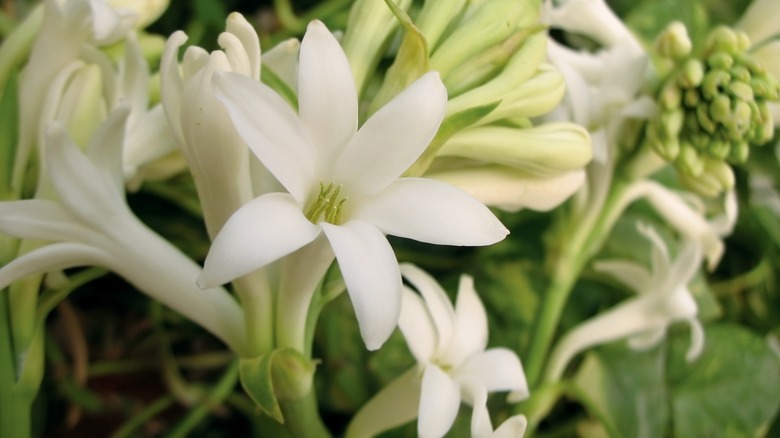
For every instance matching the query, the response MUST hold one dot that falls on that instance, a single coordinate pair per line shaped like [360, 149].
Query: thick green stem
[302, 417]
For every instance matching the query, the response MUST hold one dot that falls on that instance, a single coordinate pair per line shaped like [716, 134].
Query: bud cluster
[712, 106]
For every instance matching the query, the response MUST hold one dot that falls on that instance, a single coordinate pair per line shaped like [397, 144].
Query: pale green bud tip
[712, 107]
[674, 42]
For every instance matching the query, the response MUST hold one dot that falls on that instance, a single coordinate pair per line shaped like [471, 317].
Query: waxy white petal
[41, 220]
[52, 257]
[497, 369]
[417, 327]
[471, 324]
[82, 188]
[437, 303]
[327, 100]
[373, 279]
[513, 427]
[630, 274]
[432, 212]
[105, 147]
[171, 84]
[262, 231]
[397, 403]
[439, 402]
[394, 137]
[249, 43]
[512, 189]
[271, 129]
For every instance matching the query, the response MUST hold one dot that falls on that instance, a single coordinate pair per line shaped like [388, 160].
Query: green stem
[581, 237]
[287, 17]
[130, 428]
[14, 404]
[302, 417]
[215, 397]
[257, 302]
[17, 46]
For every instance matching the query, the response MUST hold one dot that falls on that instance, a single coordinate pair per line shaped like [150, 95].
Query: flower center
[328, 205]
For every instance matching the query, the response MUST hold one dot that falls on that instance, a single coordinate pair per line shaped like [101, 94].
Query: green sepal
[283, 375]
[448, 128]
[410, 63]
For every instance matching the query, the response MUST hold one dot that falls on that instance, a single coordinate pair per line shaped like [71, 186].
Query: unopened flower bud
[674, 42]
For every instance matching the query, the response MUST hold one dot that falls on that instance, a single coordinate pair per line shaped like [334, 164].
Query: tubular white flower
[94, 226]
[662, 298]
[685, 218]
[217, 156]
[342, 181]
[69, 29]
[449, 345]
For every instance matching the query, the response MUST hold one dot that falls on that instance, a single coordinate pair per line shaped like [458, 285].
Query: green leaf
[281, 375]
[9, 126]
[732, 390]
[626, 389]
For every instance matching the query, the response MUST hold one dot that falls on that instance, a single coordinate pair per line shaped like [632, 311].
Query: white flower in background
[70, 30]
[602, 87]
[663, 298]
[91, 225]
[687, 215]
[449, 345]
[342, 181]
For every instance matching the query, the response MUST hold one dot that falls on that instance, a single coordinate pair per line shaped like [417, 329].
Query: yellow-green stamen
[328, 205]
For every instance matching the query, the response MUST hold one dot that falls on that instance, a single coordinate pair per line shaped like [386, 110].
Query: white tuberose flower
[662, 298]
[342, 181]
[449, 345]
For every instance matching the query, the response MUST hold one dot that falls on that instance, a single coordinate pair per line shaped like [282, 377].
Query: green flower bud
[674, 42]
[713, 81]
[692, 74]
[671, 96]
[741, 90]
[720, 108]
[689, 160]
[672, 122]
[739, 152]
[722, 39]
[492, 22]
[720, 61]
[692, 98]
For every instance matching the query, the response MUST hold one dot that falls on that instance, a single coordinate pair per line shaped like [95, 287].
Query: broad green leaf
[732, 390]
[626, 387]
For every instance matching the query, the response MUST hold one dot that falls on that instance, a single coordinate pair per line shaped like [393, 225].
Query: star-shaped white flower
[452, 366]
[342, 181]
[663, 298]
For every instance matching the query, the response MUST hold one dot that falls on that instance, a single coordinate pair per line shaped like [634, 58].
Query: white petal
[630, 274]
[109, 25]
[52, 257]
[105, 147]
[512, 189]
[471, 325]
[250, 43]
[370, 270]
[513, 427]
[417, 327]
[437, 303]
[481, 426]
[149, 139]
[327, 100]
[271, 129]
[697, 340]
[171, 85]
[439, 403]
[394, 137]
[135, 75]
[396, 404]
[432, 212]
[282, 59]
[82, 188]
[498, 369]
[262, 231]
[41, 220]
[686, 265]
[758, 20]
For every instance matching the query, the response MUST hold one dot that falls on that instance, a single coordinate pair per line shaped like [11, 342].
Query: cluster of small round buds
[712, 105]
